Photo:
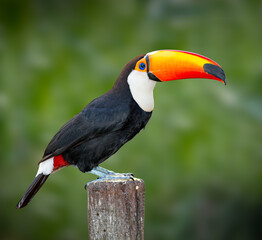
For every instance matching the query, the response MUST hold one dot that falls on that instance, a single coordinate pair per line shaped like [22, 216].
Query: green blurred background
[201, 153]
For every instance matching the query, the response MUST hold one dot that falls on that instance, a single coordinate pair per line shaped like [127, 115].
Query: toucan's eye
[142, 66]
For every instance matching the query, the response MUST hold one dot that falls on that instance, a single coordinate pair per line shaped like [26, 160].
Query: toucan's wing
[88, 124]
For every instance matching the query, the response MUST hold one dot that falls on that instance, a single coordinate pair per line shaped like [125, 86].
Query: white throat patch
[141, 88]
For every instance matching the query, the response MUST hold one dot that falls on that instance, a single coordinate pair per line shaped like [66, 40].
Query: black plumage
[32, 190]
[101, 128]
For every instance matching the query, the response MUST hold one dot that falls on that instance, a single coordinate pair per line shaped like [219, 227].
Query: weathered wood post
[116, 209]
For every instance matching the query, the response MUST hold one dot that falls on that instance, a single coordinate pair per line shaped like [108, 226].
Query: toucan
[113, 119]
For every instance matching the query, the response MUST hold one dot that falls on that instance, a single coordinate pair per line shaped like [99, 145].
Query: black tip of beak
[215, 71]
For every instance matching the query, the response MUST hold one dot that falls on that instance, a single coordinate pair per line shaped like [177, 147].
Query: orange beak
[168, 65]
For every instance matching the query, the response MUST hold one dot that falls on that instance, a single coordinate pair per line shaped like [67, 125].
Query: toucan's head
[168, 65]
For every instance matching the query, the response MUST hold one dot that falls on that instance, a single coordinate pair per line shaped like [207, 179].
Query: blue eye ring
[142, 66]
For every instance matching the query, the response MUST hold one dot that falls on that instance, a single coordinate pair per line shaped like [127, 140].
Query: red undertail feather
[59, 162]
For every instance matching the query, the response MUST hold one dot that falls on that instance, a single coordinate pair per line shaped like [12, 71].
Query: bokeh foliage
[200, 155]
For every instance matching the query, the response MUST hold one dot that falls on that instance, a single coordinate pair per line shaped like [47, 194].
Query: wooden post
[116, 209]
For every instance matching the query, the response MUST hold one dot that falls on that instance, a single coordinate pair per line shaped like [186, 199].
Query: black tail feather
[32, 190]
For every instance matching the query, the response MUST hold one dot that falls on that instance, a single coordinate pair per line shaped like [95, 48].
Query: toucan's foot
[104, 175]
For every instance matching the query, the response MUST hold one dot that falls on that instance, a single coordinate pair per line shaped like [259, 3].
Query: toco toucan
[111, 120]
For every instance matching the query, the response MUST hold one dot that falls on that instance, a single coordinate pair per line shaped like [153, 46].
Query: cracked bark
[116, 209]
